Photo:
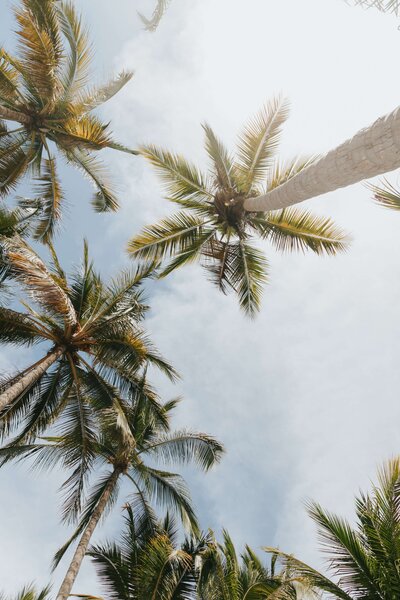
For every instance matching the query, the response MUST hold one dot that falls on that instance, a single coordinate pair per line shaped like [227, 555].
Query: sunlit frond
[97, 96]
[259, 142]
[386, 195]
[296, 229]
[222, 162]
[181, 178]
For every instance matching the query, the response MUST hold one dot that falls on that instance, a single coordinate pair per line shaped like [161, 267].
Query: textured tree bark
[372, 151]
[27, 380]
[13, 115]
[73, 570]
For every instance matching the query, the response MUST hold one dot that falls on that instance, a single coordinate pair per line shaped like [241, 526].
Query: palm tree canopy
[214, 228]
[132, 446]
[97, 328]
[45, 102]
[365, 559]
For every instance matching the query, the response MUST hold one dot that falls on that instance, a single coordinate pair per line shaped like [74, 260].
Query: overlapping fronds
[386, 195]
[43, 89]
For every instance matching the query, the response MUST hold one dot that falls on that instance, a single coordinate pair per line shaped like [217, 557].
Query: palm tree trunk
[73, 570]
[372, 151]
[13, 115]
[30, 377]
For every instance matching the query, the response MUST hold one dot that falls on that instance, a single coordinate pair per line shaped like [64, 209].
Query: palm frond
[296, 229]
[282, 171]
[40, 47]
[49, 195]
[97, 96]
[182, 179]
[33, 275]
[386, 195]
[173, 235]
[221, 161]
[259, 142]
[104, 199]
[183, 447]
[155, 19]
[80, 55]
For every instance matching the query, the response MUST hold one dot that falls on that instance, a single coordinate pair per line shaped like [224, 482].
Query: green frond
[49, 194]
[245, 271]
[17, 328]
[40, 47]
[104, 199]
[184, 446]
[155, 19]
[173, 235]
[259, 142]
[9, 82]
[191, 253]
[295, 229]
[182, 180]
[80, 52]
[222, 162]
[386, 195]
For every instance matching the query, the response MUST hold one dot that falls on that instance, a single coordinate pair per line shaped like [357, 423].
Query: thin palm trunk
[13, 115]
[30, 377]
[79, 554]
[372, 151]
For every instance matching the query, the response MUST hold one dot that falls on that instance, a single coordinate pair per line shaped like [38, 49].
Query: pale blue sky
[306, 397]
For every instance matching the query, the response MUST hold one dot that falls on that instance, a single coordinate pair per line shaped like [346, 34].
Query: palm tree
[213, 225]
[148, 563]
[44, 92]
[93, 332]
[365, 559]
[29, 593]
[128, 451]
[223, 576]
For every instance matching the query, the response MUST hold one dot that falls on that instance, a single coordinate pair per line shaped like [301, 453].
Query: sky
[305, 397]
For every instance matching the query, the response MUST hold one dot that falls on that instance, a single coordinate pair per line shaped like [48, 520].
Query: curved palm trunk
[79, 554]
[12, 115]
[372, 151]
[30, 377]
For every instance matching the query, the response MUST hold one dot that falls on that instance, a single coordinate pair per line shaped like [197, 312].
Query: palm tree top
[44, 91]
[364, 559]
[214, 227]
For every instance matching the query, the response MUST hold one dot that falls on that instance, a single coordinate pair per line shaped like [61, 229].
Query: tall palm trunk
[30, 377]
[372, 151]
[73, 570]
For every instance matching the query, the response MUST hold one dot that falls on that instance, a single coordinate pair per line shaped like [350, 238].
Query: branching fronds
[213, 227]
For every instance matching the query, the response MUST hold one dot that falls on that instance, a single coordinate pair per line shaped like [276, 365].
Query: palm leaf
[33, 275]
[49, 195]
[99, 95]
[259, 142]
[294, 229]
[386, 195]
[222, 162]
[173, 235]
[182, 179]
[184, 446]
[155, 19]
